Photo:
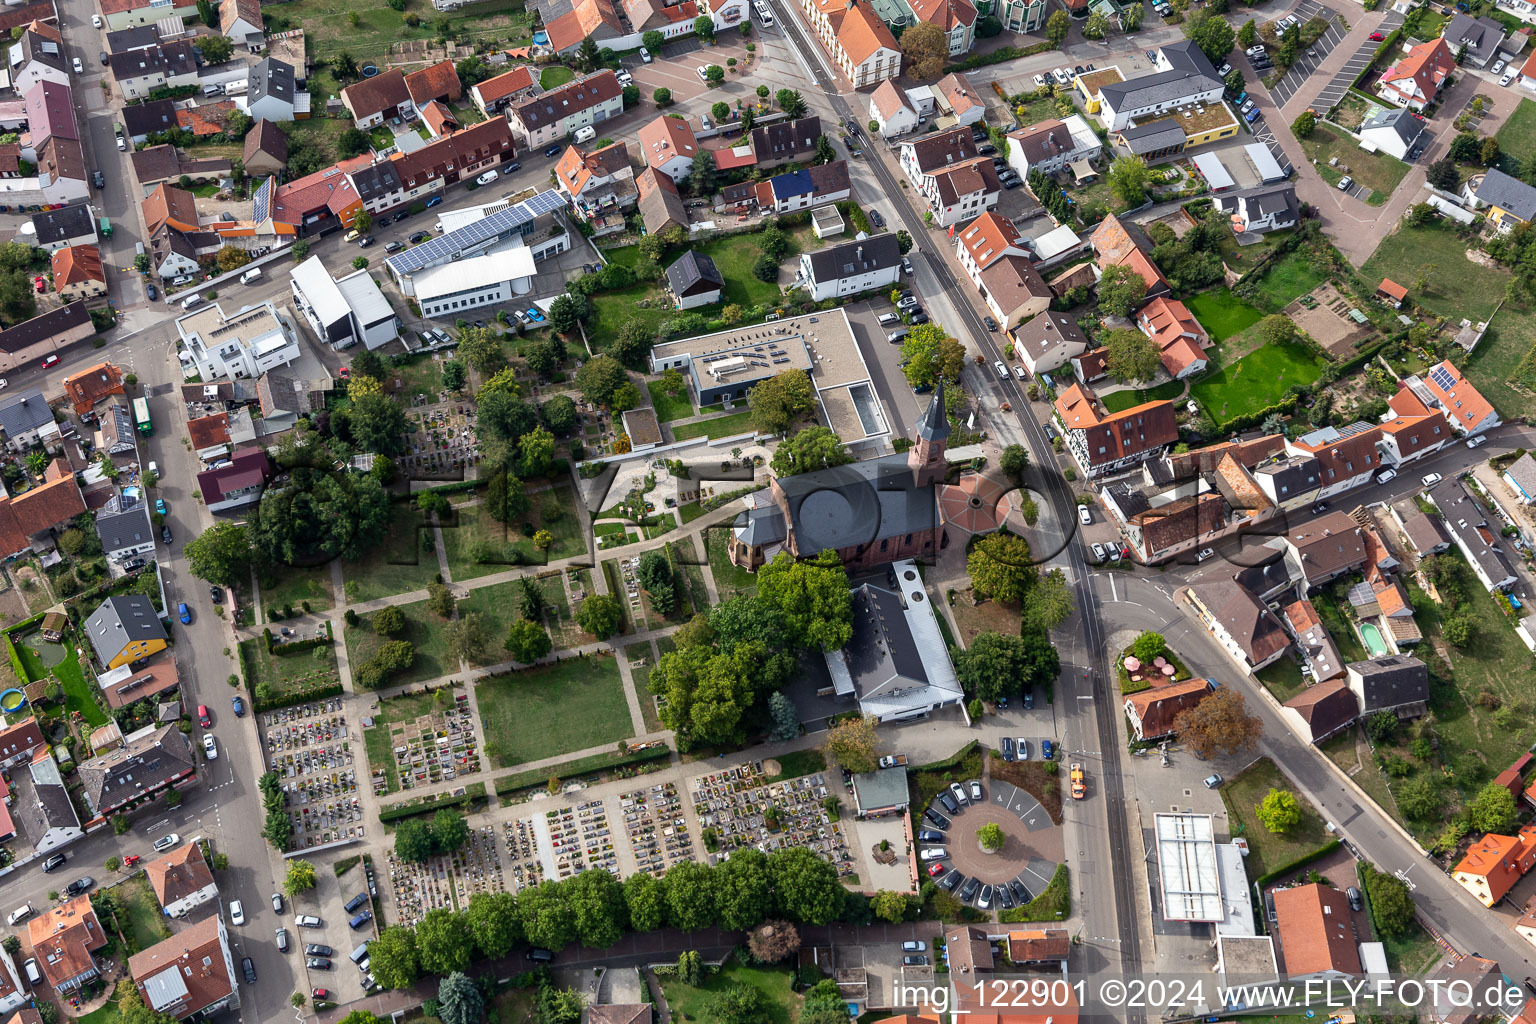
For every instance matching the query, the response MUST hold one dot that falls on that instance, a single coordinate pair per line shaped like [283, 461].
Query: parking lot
[1308, 59]
[327, 901]
[884, 361]
[1334, 91]
[1017, 873]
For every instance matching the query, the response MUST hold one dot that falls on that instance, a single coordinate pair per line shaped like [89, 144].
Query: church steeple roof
[934, 425]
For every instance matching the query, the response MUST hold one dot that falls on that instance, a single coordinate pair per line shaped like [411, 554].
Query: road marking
[1112, 592]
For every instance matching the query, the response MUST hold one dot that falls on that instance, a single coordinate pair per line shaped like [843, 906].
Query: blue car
[433, 201]
[534, 315]
[185, 613]
[239, 705]
[160, 505]
[1047, 750]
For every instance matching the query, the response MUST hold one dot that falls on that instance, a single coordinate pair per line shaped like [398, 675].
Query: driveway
[1353, 65]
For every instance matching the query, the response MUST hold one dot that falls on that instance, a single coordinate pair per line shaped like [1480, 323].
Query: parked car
[236, 911]
[957, 791]
[1431, 479]
[248, 968]
[951, 880]
[1022, 746]
[419, 237]
[938, 820]
[209, 747]
[930, 835]
[968, 892]
[318, 949]
[238, 703]
[1048, 750]
[1377, 37]
[308, 921]
[875, 218]
[1474, 442]
[316, 963]
[949, 803]
[53, 863]
[985, 900]
[933, 853]
[151, 292]
[203, 718]
[165, 535]
[98, 179]
[1212, 781]
[1007, 746]
[1353, 895]
[1021, 895]
[914, 961]
[167, 842]
[1345, 182]
[282, 940]
[434, 201]
[1386, 476]
[488, 177]
[277, 903]
[50, 361]
[975, 791]
[555, 150]
[1084, 516]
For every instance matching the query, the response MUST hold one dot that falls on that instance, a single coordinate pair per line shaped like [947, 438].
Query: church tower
[926, 457]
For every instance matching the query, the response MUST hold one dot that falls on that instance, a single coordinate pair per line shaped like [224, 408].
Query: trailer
[894, 761]
[141, 416]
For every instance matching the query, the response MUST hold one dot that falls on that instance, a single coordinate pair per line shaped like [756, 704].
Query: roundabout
[1018, 870]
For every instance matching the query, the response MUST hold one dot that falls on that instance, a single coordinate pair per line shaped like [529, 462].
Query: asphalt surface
[1308, 58]
[1334, 91]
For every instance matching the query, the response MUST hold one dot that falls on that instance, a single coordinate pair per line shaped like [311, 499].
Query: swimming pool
[1373, 640]
[541, 38]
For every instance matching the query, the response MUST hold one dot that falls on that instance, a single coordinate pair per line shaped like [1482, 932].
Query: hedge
[948, 762]
[298, 646]
[431, 804]
[286, 700]
[1302, 861]
[1053, 904]
[581, 766]
[997, 56]
[453, 488]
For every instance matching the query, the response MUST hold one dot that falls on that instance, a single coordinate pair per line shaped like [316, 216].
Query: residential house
[169, 65]
[1261, 210]
[1324, 548]
[345, 311]
[1150, 713]
[1410, 429]
[1395, 683]
[155, 165]
[850, 268]
[27, 420]
[1179, 338]
[378, 99]
[1319, 656]
[439, 82]
[439, 120]
[1507, 200]
[1052, 145]
[1103, 442]
[18, 741]
[1495, 863]
[191, 973]
[955, 95]
[955, 18]
[149, 762]
[600, 186]
[857, 39]
[246, 344]
[115, 433]
[44, 334]
[1322, 710]
[1039, 945]
[1520, 477]
[889, 109]
[1346, 458]
[181, 880]
[1416, 80]
[271, 94]
[1120, 243]
[661, 207]
[77, 273]
[238, 484]
[13, 995]
[266, 149]
[818, 185]
[124, 14]
[69, 225]
[126, 534]
[1466, 972]
[1242, 624]
[1396, 131]
[283, 399]
[38, 56]
[1423, 533]
[1481, 38]
[1528, 69]
[1091, 365]
[140, 120]
[945, 168]
[92, 385]
[241, 21]
[209, 436]
[170, 206]
[1443, 387]
[785, 142]
[668, 145]
[33, 518]
[493, 95]
[693, 281]
[64, 941]
[1048, 341]
[1316, 931]
[1026, 17]
[125, 628]
[539, 120]
[1465, 519]
[1184, 77]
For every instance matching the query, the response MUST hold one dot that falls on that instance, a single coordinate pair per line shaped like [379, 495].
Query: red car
[50, 361]
[936, 869]
[41, 283]
[202, 716]
[322, 993]
[345, 373]
[1377, 37]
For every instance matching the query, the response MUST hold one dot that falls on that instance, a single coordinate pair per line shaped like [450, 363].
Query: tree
[1489, 153]
[389, 621]
[481, 350]
[743, 890]
[597, 901]
[598, 379]
[851, 744]
[1494, 810]
[766, 269]
[825, 154]
[926, 50]
[995, 665]
[655, 575]
[714, 74]
[536, 450]
[1056, 28]
[528, 641]
[544, 357]
[1048, 603]
[1392, 908]
[232, 257]
[786, 719]
[928, 353]
[1234, 81]
[645, 896]
[1276, 329]
[1130, 17]
[991, 836]
[459, 1000]
[1420, 798]
[1128, 179]
[812, 597]
[807, 887]
[378, 423]
[653, 41]
[300, 878]
[220, 554]
[505, 499]
[809, 450]
[721, 111]
[564, 313]
[707, 692]
[1459, 629]
[215, 49]
[1096, 27]
[662, 97]
[1248, 34]
[1148, 647]
[1013, 463]
[1304, 125]
[468, 637]
[791, 103]
[701, 176]
[1209, 31]
[691, 897]
[703, 27]
[559, 1005]
[1466, 148]
[1001, 567]
[413, 841]
[778, 402]
[1219, 723]
[1279, 811]
[773, 941]
[17, 299]
[443, 943]
[1443, 174]
[1131, 355]
[395, 960]
[1121, 290]
[601, 615]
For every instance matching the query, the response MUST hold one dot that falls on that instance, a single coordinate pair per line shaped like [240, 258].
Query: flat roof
[1093, 81]
[320, 289]
[364, 296]
[1264, 162]
[506, 264]
[883, 787]
[1187, 869]
[213, 327]
[1196, 118]
[1216, 175]
[853, 412]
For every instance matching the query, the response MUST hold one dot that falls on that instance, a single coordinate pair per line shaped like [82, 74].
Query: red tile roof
[1463, 403]
[439, 118]
[1157, 708]
[434, 82]
[862, 33]
[179, 874]
[89, 386]
[1315, 929]
[76, 264]
[63, 939]
[582, 20]
[207, 431]
[384, 91]
[196, 956]
[664, 138]
[1129, 432]
[168, 204]
[1326, 707]
[507, 83]
[1500, 860]
[1428, 65]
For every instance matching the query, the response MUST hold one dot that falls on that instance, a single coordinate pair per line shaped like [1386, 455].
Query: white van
[19, 915]
[34, 976]
[586, 134]
[250, 275]
[887, 319]
[192, 301]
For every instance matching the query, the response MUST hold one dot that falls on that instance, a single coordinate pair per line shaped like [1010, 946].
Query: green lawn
[498, 605]
[730, 579]
[423, 629]
[403, 562]
[78, 694]
[555, 75]
[1222, 314]
[329, 28]
[1268, 851]
[303, 671]
[527, 715]
[669, 408]
[1118, 401]
[1518, 133]
[142, 921]
[1290, 277]
[1376, 171]
[689, 1003]
[478, 545]
[720, 426]
[294, 586]
[1283, 678]
[1255, 381]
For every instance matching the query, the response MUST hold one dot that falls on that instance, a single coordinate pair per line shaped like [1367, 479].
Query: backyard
[1222, 314]
[142, 922]
[688, 1002]
[1376, 171]
[1288, 278]
[730, 579]
[42, 660]
[1268, 850]
[1118, 401]
[1518, 133]
[1255, 381]
[330, 29]
[669, 407]
[526, 715]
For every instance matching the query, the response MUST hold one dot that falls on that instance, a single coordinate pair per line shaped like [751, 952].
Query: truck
[141, 416]
[1079, 789]
[106, 228]
[893, 761]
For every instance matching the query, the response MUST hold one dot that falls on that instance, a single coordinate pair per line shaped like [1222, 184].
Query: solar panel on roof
[447, 247]
[1442, 378]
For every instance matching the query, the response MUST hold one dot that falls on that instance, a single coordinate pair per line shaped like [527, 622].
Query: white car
[4, 383]
[1040, 82]
[975, 792]
[645, 55]
[1431, 479]
[1509, 76]
[122, 144]
[1098, 553]
[79, 67]
[1386, 476]
[488, 177]
[914, 946]
[1476, 441]
[933, 853]
[96, 20]
[1497, 67]
[208, 747]
[703, 72]
[236, 912]
[1001, 368]
[167, 842]
[1021, 745]
[958, 792]
[1084, 516]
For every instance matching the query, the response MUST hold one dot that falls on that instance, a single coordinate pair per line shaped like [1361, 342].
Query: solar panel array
[263, 202]
[1443, 378]
[446, 247]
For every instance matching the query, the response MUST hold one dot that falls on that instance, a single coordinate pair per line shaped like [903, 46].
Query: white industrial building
[454, 288]
[345, 311]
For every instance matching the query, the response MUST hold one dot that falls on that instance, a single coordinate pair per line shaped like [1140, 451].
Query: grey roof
[882, 648]
[122, 619]
[270, 77]
[693, 274]
[1048, 330]
[38, 48]
[1507, 193]
[1268, 578]
[377, 179]
[1294, 476]
[1265, 200]
[24, 411]
[934, 425]
[883, 787]
[861, 503]
[760, 526]
[1403, 122]
[43, 326]
[143, 765]
[1191, 73]
[139, 38]
[154, 116]
[124, 530]
[1481, 36]
[64, 223]
[1186, 55]
[1523, 472]
[1390, 682]
[860, 256]
[786, 139]
[1425, 532]
[1153, 136]
[1464, 520]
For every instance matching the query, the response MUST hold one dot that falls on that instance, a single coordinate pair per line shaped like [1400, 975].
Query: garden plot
[523, 853]
[658, 831]
[438, 746]
[308, 748]
[744, 811]
[443, 444]
[446, 880]
[1324, 315]
[582, 838]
